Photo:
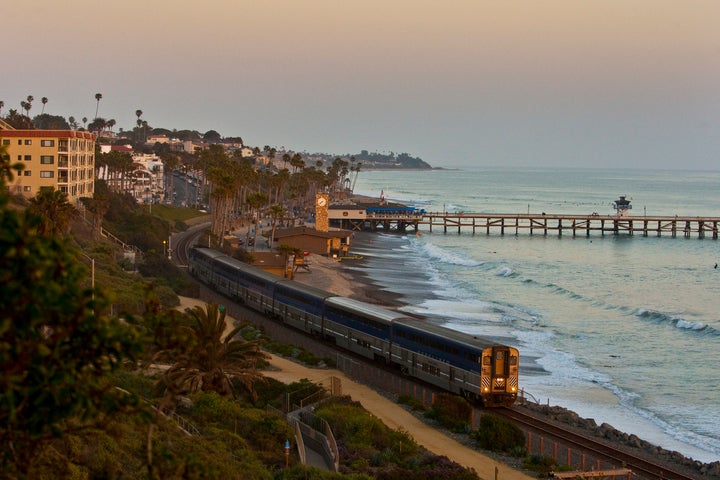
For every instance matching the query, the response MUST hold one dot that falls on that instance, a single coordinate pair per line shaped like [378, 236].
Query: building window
[6, 141]
[28, 142]
[47, 174]
[27, 188]
[47, 143]
[27, 172]
[28, 158]
[47, 159]
[19, 158]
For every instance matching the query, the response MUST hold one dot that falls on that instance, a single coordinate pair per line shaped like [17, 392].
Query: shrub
[498, 434]
[453, 412]
[411, 402]
[538, 463]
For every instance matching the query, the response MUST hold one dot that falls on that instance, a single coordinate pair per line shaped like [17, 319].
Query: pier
[532, 224]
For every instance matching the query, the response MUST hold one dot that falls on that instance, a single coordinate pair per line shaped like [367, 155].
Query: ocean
[624, 330]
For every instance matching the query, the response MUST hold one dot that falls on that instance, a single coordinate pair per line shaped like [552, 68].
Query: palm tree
[97, 205]
[98, 96]
[2, 104]
[214, 356]
[287, 250]
[84, 120]
[138, 113]
[297, 162]
[170, 162]
[255, 201]
[28, 105]
[276, 212]
[44, 100]
[53, 211]
[73, 123]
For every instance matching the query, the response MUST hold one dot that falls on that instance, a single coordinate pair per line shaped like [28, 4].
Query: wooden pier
[532, 224]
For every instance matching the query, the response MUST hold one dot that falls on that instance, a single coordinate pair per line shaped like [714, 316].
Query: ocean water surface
[624, 330]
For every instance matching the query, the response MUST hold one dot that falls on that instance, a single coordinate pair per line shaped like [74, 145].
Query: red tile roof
[47, 133]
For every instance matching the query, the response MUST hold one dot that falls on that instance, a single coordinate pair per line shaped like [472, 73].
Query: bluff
[375, 160]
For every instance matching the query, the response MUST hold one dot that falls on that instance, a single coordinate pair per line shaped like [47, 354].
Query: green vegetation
[452, 412]
[368, 446]
[174, 215]
[412, 402]
[544, 465]
[499, 435]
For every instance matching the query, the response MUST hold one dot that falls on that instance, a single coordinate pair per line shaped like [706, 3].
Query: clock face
[321, 201]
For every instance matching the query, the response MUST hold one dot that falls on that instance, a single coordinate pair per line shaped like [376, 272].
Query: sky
[551, 83]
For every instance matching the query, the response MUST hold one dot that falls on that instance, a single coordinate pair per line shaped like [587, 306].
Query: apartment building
[58, 159]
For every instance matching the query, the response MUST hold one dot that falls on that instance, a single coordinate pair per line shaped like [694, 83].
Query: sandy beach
[326, 274]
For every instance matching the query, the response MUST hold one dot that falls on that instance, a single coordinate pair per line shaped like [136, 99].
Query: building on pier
[622, 206]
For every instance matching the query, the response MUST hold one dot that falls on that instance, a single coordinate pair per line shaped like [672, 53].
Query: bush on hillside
[451, 411]
[367, 446]
[498, 434]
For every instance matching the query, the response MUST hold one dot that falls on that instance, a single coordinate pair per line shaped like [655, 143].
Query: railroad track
[641, 467]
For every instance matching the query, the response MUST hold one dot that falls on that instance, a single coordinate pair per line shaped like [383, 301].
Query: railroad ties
[540, 224]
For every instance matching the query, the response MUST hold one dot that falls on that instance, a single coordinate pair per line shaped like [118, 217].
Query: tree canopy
[56, 342]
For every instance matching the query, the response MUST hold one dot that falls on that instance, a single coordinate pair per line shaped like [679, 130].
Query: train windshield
[499, 362]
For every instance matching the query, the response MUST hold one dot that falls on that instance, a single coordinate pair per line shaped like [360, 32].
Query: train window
[500, 355]
[513, 360]
[487, 360]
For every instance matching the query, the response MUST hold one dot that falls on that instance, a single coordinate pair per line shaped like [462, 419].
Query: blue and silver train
[454, 361]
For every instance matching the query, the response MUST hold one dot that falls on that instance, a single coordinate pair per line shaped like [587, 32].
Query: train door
[500, 364]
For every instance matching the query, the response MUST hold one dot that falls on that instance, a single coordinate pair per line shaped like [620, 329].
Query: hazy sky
[606, 83]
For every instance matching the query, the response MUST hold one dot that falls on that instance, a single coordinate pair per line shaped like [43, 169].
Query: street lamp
[164, 248]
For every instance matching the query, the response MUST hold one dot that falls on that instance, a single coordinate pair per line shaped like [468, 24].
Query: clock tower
[322, 223]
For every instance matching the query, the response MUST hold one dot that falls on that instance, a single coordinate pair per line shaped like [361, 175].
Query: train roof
[378, 312]
[235, 263]
[427, 326]
[209, 252]
[303, 288]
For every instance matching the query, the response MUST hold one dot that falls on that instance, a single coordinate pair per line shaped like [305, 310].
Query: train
[479, 370]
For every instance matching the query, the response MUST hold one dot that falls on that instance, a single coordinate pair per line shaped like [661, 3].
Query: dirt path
[392, 414]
